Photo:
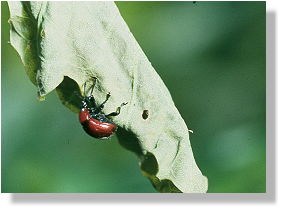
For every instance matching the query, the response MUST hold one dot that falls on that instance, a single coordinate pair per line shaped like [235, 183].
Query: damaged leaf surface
[64, 44]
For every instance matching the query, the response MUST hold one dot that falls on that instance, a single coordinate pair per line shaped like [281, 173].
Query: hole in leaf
[145, 114]
[69, 93]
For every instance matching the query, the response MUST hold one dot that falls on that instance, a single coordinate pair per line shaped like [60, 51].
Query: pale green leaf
[64, 44]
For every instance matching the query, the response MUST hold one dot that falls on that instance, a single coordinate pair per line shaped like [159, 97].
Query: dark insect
[93, 120]
[145, 114]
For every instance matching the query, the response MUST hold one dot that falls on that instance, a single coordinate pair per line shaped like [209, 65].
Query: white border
[269, 200]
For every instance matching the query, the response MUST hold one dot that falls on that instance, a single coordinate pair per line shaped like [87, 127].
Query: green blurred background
[211, 56]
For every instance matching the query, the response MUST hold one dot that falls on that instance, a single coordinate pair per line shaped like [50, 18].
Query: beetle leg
[103, 103]
[117, 112]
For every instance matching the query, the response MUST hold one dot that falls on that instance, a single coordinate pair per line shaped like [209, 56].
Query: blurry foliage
[211, 55]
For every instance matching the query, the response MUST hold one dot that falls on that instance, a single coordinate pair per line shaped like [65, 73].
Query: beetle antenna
[94, 82]
[84, 87]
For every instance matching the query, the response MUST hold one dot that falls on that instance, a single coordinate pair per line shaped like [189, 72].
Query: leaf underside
[64, 44]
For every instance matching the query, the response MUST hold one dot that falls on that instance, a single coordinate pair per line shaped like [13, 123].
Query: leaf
[63, 44]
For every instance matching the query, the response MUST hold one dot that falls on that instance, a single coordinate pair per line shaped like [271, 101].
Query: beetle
[93, 120]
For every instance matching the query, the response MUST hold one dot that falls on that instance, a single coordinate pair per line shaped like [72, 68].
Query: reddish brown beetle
[93, 120]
